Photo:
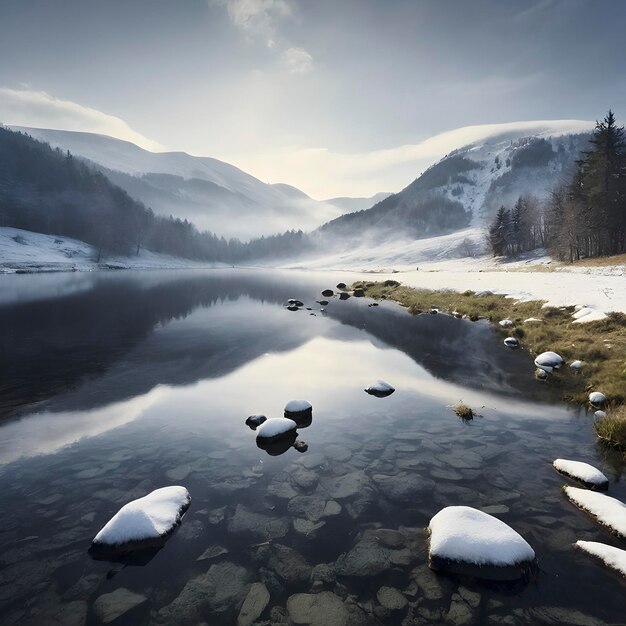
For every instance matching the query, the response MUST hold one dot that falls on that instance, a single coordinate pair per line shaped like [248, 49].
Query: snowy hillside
[358, 204]
[214, 195]
[465, 187]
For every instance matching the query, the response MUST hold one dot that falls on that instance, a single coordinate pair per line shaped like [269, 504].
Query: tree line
[49, 191]
[584, 216]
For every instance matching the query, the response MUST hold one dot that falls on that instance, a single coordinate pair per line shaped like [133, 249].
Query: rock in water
[299, 411]
[142, 523]
[254, 421]
[470, 542]
[610, 512]
[327, 293]
[341, 285]
[613, 557]
[549, 361]
[391, 599]
[380, 389]
[584, 473]
[253, 606]
[319, 609]
[597, 399]
[110, 606]
[358, 292]
[511, 342]
[276, 428]
[344, 296]
[506, 323]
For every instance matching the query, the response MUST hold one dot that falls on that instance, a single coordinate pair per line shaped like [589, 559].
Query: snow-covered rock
[549, 361]
[532, 320]
[300, 411]
[511, 342]
[541, 374]
[276, 427]
[599, 414]
[576, 365]
[586, 314]
[380, 389]
[582, 472]
[506, 323]
[597, 399]
[145, 521]
[254, 421]
[465, 540]
[610, 512]
[613, 557]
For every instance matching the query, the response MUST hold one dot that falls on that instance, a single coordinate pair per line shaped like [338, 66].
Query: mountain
[349, 205]
[213, 195]
[466, 186]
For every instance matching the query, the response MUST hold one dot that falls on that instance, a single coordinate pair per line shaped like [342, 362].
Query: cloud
[297, 61]
[41, 110]
[323, 173]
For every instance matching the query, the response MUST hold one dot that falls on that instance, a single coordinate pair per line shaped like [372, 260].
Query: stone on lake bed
[144, 522]
[317, 609]
[391, 599]
[253, 606]
[506, 323]
[608, 511]
[254, 421]
[212, 552]
[466, 541]
[584, 473]
[614, 558]
[275, 428]
[549, 361]
[597, 399]
[110, 606]
[511, 342]
[380, 389]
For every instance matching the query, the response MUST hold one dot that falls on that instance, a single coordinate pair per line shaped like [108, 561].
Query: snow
[506, 323]
[380, 386]
[576, 365]
[532, 320]
[548, 361]
[462, 533]
[150, 517]
[613, 557]
[581, 471]
[609, 511]
[297, 406]
[275, 427]
[596, 398]
[511, 342]
[24, 250]
[587, 314]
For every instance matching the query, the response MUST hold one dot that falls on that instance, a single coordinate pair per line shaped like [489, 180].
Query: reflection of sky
[330, 373]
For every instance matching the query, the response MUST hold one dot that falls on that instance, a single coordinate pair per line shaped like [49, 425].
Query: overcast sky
[309, 92]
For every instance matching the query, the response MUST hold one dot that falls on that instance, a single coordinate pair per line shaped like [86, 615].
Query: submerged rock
[319, 609]
[391, 599]
[212, 552]
[263, 526]
[253, 606]
[380, 389]
[511, 342]
[110, 606]
[142, 523]
[584, 473]
[549, 361]
[288, 564]
[470, 542]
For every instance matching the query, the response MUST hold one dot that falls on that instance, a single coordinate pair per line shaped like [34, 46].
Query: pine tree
[499, 232]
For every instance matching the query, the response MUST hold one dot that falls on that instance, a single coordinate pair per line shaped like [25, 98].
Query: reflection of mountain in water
[117, 336]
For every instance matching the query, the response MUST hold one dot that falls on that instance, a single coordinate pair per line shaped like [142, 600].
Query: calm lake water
[115, 384]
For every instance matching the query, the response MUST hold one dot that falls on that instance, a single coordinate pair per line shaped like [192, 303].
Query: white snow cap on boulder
[576, 365]
[583, 472]
[596, 398]
[511, 342]
[610, 512]
[506, 323]
[599, 414]
[151, 517]
[297, 406]
[275, 427]
[549, 361]
[380, 388]
[613, 557]
[464, 535]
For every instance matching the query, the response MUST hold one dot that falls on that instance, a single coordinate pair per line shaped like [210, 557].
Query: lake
[114, 384]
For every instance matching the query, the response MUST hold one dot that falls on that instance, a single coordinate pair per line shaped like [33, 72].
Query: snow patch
[297, 406]
[613, 557]
[583, 472]
[610, 512]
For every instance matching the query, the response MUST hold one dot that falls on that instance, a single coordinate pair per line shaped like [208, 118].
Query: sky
[336, 97]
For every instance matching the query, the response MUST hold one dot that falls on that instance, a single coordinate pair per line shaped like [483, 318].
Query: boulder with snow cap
[511, 342]
[549, 361]
[276, 428]
[597, 399]
[380, 389]
[599, 414]
[576, 365]
[300, 411]
[143, 523]
[610, 512]
[506, 323]
[466, 541]
[584, 473]
[254, 421]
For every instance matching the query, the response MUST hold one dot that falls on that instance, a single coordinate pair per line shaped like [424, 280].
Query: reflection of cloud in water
[47, 433]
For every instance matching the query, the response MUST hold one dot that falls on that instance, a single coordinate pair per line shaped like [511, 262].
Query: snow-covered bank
[27, 251]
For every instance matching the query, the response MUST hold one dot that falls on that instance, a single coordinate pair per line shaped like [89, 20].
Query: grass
[464, 412]
[600, 345]
[612, 428]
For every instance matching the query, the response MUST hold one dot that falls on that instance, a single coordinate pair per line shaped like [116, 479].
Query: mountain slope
[212, 194]
[349, 205]
[465, 187]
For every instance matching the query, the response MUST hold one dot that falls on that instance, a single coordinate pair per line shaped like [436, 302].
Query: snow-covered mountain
[214, 195]
[466, 186]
